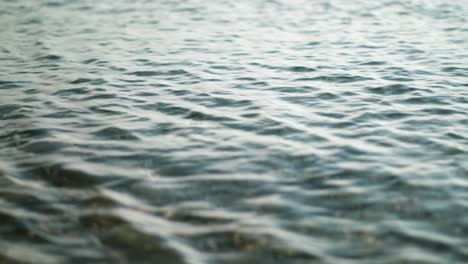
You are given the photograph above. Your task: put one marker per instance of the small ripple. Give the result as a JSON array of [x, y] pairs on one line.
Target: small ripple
[[63, 177], [294, 89], [397, 79], [442, 111], [392, 89], [299, 69], [438, 100], [11, 85], [9, 109], [115, 133], [72, 91], [373, 63], [50, 57], [43, 147], [90, 81], [99, 97], [456, 71], [159, 73], [343, 78]]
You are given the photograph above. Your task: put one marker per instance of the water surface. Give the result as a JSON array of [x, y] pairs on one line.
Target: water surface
[[260, 131]]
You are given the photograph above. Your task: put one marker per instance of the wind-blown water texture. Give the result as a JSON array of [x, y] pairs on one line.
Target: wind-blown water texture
[[254, 131]]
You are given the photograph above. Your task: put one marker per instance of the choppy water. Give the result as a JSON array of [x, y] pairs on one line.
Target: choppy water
[[259, 131]]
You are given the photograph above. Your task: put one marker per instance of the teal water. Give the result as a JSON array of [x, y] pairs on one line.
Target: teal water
[[260, 131]]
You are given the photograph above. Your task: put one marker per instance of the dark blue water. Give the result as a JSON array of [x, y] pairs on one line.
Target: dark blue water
[[260, 131]]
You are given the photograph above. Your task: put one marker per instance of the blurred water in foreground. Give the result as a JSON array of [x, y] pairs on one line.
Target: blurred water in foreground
[[259, 131]]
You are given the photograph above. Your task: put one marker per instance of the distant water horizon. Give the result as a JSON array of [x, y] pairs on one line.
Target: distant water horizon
[[263, 131]]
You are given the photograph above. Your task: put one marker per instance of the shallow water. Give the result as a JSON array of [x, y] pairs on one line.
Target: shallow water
[[263, 131]]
